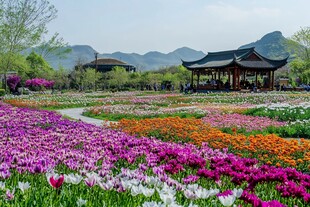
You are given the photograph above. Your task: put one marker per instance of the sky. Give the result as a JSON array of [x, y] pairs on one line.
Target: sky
[[141, 26]]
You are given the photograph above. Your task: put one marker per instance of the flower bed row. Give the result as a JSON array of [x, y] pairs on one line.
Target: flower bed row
[[270, 149], [52, 101], [120, 111]]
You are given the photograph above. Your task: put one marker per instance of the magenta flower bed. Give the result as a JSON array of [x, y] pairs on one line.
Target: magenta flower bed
[[249, 123], [35, 141]]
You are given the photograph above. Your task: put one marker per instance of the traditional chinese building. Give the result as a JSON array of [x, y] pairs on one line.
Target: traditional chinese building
[[236, 65], [106, 64]]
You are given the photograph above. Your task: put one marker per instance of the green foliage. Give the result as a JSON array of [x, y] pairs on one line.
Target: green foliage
[[118, 77], [23, 23], [90, 78], [54, 46], [2, 92], [39, 68], [117, 117], [301, 69], [175, 74], [14, 62], [61, 78], [301, 65]]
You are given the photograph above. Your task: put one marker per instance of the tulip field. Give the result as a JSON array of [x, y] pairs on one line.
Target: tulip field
[[165, 149]]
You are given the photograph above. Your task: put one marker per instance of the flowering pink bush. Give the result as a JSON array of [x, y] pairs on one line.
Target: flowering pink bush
[[249, 123], [39, 83]]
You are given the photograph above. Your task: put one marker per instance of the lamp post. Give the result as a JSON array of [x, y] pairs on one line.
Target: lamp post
[[96, 69]]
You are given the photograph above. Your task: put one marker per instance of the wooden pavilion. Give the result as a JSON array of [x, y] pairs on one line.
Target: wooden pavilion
[[237, 65]]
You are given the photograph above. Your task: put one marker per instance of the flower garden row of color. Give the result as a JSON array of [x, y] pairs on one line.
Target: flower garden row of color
[[51, 156], [165, 99]]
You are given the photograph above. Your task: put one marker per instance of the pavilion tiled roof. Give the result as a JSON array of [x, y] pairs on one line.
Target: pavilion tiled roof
[[241, 57], [107, 61]]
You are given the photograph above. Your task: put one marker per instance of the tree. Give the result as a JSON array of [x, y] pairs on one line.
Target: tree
[[183, 74], [38, 66], [61, 77], [55, 46], [118, 77], [301, 64], [77, 75], [90, 78], [19, 65], [23, 23], [134, 80]]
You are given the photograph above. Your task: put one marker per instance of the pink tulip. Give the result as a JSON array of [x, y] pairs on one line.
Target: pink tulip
[[9, 194], [56, 183]]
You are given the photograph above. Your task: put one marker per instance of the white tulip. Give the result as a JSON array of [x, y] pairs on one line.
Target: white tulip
[[23, 186], [237, 192], [153, 204], [135, 190], [190, 194], [227, 200], [167, 198], [148, 192], [73, 178], [80, 202], [2, 185]]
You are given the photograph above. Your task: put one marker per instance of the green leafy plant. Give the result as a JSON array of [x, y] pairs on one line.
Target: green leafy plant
[[2, 92]]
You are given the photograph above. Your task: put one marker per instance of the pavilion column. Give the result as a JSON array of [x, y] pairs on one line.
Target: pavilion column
[[272, 80], [192, 79], [269, 80], [256, 78], [198, 76], [234, 77], [228, 75], [238, 76], [219, 74], [244, 72]]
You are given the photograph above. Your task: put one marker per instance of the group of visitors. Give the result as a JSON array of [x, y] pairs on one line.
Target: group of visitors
[[305, 86], [187, 88]]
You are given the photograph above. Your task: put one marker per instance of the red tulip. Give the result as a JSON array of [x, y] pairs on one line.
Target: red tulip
[[56, 183]]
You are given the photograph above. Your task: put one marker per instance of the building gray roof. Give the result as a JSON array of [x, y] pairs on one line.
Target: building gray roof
[[247, 58]]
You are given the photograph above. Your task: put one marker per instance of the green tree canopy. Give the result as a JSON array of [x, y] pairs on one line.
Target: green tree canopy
[[118, 77], [301, 64], [22, 26], [39, 68], [23, 22]]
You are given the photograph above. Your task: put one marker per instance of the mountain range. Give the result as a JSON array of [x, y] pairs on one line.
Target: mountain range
[[271, 45]]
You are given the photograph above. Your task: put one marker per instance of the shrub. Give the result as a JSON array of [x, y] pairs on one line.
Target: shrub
[[39, 83], [13, 81], [2, 92]]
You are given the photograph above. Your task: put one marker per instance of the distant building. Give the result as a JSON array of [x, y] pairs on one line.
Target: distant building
[[107, 64]]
